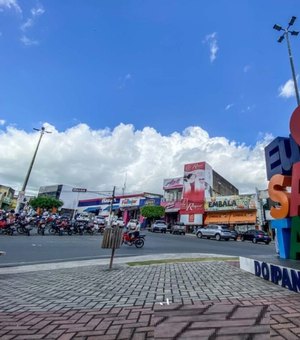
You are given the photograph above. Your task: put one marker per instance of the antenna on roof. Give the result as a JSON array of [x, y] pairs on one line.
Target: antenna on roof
[[124, 186]]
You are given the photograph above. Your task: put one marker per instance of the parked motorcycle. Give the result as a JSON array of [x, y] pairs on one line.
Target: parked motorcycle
[[41, 226], [137, 240], [60, 226], [23, 226], [89, 228], [79, 227], [7, 228]]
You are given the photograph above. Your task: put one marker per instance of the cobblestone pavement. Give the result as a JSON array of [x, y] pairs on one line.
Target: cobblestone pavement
[[127, 302]]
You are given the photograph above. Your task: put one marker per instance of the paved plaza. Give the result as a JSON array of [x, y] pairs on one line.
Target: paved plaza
[[198, 300]]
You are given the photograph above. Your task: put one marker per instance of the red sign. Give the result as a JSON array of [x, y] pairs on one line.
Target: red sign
[[193, 189], [191, 218]]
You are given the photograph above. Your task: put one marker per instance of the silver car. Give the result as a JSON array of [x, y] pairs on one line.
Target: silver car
[[160, 226], [219, 232]]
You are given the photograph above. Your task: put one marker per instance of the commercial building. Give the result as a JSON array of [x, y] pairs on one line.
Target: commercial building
[[6, 197], [125, 206], [185, 197], [69, 195]]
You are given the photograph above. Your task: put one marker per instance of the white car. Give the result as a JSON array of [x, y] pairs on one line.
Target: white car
[[83, 217], [99, 220]]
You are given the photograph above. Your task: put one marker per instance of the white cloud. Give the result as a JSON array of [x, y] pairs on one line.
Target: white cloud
[[2, 121], [246, 68], [27, 41], [99, 159], [211, 39], [27, 24], [287, 90], [229, 106], [37, 11], [123, 80], [10, 4]]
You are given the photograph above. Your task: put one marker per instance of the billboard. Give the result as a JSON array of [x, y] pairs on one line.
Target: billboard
[[129, 202], [173, 183], [237, 202], [194, 187]]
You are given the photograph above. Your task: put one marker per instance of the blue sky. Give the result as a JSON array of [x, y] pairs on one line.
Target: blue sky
[[167, 65]]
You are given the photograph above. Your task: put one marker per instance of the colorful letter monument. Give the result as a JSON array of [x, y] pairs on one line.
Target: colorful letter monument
[[283, 172]]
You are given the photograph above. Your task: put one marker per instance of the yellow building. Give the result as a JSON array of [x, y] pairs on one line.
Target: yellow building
[[6, 197]]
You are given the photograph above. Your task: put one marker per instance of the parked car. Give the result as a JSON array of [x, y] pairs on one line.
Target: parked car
[[99, 220], [256, 236], [219, 232], [234, 234], [83, 217], [178, 228], [160, 226]]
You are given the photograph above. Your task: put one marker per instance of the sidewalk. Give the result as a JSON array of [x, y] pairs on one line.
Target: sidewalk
[[207, 300]]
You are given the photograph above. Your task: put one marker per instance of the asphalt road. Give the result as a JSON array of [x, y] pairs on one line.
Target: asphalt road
[[21, 249]]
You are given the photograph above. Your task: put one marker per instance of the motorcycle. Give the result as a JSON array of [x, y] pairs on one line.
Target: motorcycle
[[137, 240], [41, 226], [61, 226], [79, 227], [7, 228], [89, 228], [23, 226]]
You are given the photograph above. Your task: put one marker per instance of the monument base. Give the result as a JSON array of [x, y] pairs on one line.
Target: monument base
[[282, 272]]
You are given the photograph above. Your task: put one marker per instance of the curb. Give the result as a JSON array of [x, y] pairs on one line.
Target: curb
[[103, 262]]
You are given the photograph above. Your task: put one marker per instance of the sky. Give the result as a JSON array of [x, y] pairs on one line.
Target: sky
[[132, 90]]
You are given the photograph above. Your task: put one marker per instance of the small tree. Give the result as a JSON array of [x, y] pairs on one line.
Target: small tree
[[45, 202], [152, 212]]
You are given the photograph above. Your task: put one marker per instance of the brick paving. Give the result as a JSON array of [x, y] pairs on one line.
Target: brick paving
[[208, 300]]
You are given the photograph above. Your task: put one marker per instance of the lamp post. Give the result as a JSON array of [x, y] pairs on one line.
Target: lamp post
[[286, 32], [22, 192]]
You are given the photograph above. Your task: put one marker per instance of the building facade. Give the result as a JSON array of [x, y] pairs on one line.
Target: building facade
[[125, 206], [6, 197], [184, 197]]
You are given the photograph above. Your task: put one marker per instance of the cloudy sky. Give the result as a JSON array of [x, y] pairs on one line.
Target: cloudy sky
[[137, 89]]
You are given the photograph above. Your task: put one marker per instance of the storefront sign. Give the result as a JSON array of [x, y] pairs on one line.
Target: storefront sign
[[79, 190], [171, 204], [97, 201], [193, 189], [150, 201], [231, 217], [191, 218], [237, 202], [173, 183], [129, 202]]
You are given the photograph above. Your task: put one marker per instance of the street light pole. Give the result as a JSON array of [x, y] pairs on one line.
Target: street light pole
[[292, 66], [22, 192], [281, 38]]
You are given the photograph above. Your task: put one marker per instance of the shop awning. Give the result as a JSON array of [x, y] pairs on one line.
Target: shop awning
[[231, 217], [172, 210]]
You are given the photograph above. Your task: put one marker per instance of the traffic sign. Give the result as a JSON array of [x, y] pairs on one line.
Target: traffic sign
[[79, 190]]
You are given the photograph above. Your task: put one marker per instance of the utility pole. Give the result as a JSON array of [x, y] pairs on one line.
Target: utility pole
[[280, 39], [113, 231], [111, 206], [22, 192]]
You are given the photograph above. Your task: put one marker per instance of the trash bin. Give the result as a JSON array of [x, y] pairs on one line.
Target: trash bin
[[112, 238]]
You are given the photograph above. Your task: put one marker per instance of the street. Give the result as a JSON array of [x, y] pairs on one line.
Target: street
[[34, 249]]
